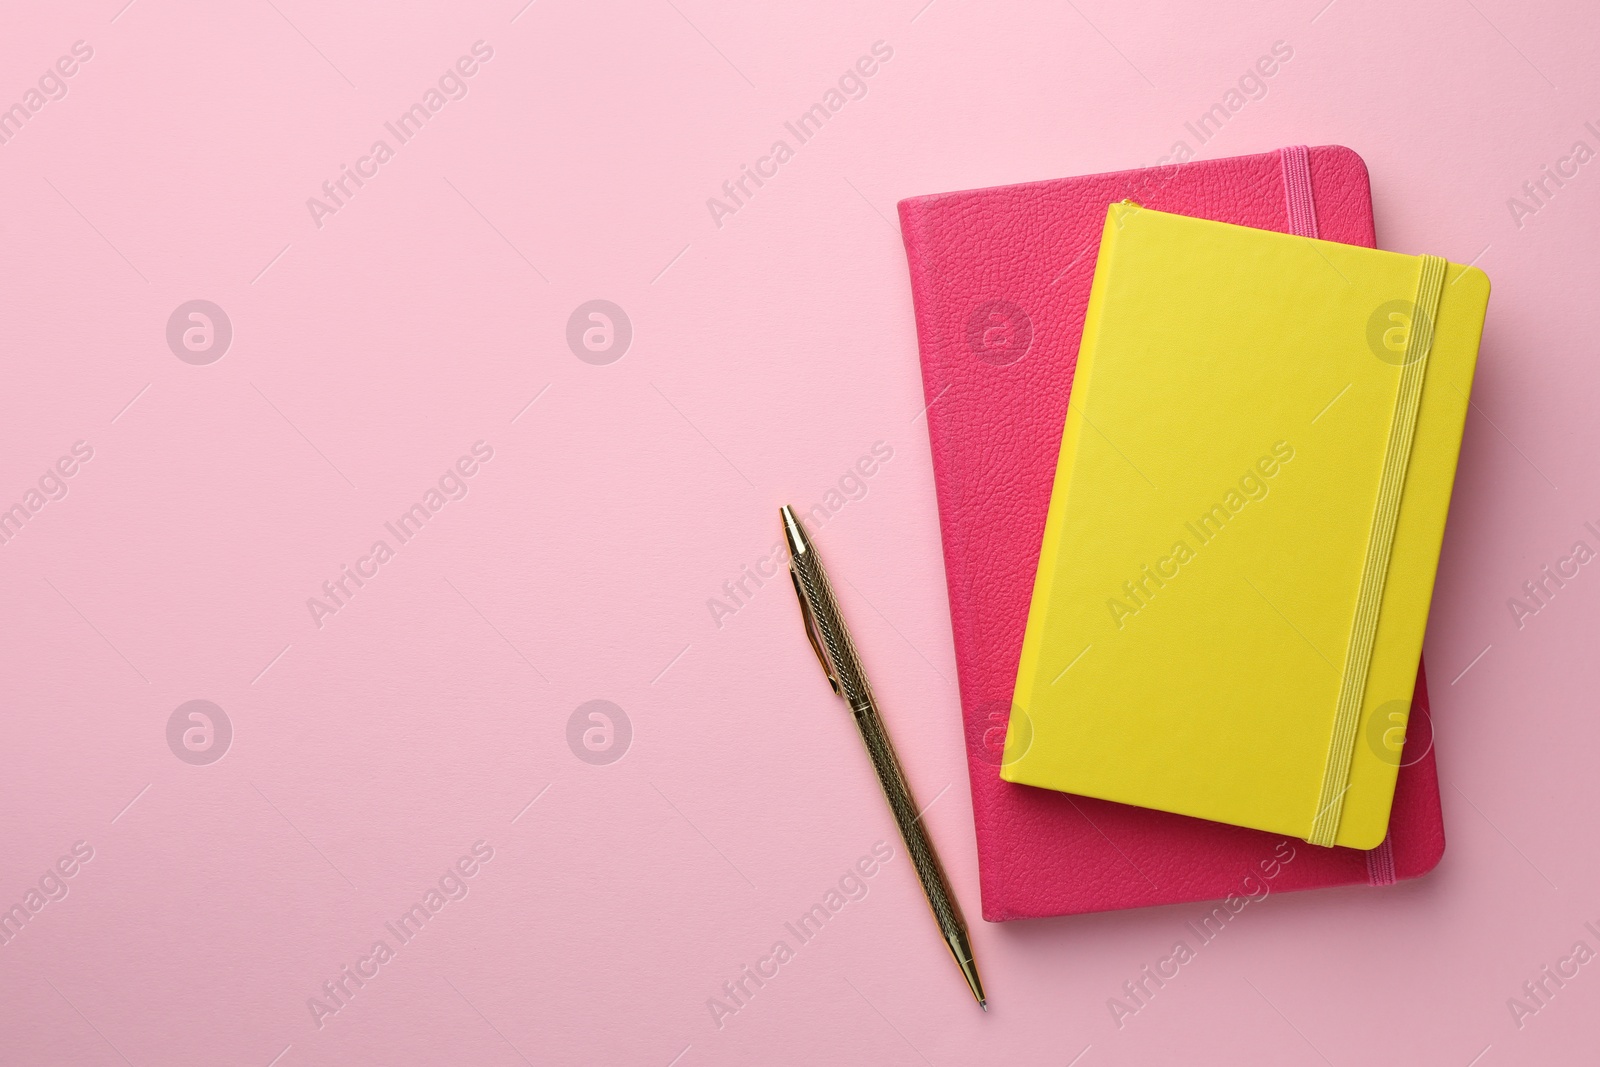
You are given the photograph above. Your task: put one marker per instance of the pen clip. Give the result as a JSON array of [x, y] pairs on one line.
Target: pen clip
[[811, 631]]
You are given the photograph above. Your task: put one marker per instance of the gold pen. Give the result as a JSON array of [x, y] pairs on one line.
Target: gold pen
[[826, 630]]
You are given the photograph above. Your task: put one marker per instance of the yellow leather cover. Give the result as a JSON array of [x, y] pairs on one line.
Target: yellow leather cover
[[1210, 519]]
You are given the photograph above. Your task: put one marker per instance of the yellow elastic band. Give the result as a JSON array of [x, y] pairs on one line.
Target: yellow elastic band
[[1375, 570]]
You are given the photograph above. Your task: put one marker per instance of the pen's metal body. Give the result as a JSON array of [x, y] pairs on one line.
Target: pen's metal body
[[826, 630]]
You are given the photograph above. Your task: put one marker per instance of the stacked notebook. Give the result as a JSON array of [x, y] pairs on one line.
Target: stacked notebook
[[1188, 628]]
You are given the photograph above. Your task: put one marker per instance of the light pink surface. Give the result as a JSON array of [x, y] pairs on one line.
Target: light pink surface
[[768, 356]]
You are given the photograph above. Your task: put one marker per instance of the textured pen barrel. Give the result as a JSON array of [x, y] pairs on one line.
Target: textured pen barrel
[[853, 687], [904, 808], [830, 626], [831, 639]]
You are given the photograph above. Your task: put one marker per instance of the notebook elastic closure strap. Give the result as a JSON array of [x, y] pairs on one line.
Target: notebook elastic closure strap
[[1375, 569], [1297, 196]]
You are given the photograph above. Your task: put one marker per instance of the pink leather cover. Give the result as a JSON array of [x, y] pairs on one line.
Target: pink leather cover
[[1000, 278]]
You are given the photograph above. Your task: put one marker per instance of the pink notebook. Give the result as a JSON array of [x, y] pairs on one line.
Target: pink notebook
[[1000, 278]]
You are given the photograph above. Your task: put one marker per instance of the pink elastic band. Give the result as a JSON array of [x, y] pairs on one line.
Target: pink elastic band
[[1297, 190], [1380, 864]]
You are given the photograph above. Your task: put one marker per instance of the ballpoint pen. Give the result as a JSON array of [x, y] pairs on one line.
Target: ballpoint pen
[[831, 641]]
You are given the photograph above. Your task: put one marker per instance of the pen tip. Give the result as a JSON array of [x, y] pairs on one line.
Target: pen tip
[[793, 532], [984, 1004]]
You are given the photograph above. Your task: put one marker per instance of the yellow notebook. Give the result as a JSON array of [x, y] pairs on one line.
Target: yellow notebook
[[1245, 524]]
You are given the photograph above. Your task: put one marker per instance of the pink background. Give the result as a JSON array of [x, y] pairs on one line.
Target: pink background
[[768, 355]]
